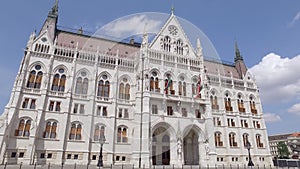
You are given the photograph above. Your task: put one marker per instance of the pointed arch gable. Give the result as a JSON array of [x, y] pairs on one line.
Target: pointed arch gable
[[171, 131], [105, 73], [43, 66], [194, 127], [127, 77], [88, 73], [59, 67]]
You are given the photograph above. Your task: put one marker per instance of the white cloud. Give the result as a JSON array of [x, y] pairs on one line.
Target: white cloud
[[295, 19], [278, 78], [125, 27], [271, 117], [295, 109]]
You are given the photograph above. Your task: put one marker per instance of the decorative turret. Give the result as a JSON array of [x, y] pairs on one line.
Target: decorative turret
[[238, 56], [239, 62], [51, 22], [199, 48]]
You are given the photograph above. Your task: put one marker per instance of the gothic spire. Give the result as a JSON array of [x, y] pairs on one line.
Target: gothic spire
[[238, 56], [54, 10]]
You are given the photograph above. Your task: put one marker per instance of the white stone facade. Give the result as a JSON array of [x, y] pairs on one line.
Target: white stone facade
[[72, 88]]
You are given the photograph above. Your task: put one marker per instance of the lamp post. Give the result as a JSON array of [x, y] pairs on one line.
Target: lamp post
[[101, 141], [248, 145]]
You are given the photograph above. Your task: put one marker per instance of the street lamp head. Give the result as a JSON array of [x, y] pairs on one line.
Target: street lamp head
[[102, 139], [248, 145]]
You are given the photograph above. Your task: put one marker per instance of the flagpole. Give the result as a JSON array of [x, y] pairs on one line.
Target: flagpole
[[141, 120], [116, 107]]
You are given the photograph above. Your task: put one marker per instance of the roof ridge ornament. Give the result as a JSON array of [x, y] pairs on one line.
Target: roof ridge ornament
[[172, 10]]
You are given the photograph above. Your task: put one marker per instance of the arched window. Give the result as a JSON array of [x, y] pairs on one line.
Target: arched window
[[154, 82], [75, 131], [23, 128], [179, 47], [99, 132], [82, 83], [240, 103], [214, 101], [35, 78], [124, 89], [122, 134], [258, 141], [50, 130], [194, 86], [103, 86], [218, 140], [181, 86], [167, 43], [245, 139], [232, 140], [252, 105], [227, 102], [59, 81]]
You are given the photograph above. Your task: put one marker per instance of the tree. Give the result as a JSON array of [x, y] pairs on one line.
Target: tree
[[283, 150]]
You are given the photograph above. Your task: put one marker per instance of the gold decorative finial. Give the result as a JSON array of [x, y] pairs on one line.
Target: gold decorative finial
[[172, 9]]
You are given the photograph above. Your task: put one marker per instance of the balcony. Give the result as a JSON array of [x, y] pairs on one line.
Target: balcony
[[215, 107], [229, 108], [253, 111], [242, 109]]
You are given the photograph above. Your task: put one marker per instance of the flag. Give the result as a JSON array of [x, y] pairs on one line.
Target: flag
[[199, 88], [168, 83]]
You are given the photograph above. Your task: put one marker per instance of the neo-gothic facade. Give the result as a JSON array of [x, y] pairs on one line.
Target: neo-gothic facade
[[156, 103]]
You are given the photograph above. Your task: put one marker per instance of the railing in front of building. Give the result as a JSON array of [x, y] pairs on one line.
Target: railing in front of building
[[278, 164]]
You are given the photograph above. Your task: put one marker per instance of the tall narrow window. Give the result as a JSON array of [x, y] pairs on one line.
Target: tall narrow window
[[50, 130], [99, 132], [227, 101], [103, 87], [124, 89], [59, 81], [82, 83], [258, 141], [181, 87], [169, 111], [122, 134], [167, 44], [252, 105], [154, 82], [75, 131], [240, 103], [214, 101], [179, 47], [232, 141], [218, 141], [35, 78], [20, 130], [245, 139]]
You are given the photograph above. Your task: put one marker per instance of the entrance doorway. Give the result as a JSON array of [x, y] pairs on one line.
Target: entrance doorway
[[191, 148], [160, 147]]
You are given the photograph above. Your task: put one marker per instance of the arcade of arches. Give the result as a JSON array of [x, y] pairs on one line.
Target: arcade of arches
[[186, 149]]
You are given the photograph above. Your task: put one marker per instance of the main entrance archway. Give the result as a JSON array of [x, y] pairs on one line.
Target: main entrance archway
[[161, 147], [191, 148]]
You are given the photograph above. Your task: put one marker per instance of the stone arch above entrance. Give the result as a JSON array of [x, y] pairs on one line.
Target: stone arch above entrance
[[162, 134], [192, 136]]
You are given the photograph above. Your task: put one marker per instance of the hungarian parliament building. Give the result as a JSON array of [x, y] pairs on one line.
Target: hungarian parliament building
[[156, 102]]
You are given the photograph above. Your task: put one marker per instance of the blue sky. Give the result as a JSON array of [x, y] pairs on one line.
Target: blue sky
[[267, 32]]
